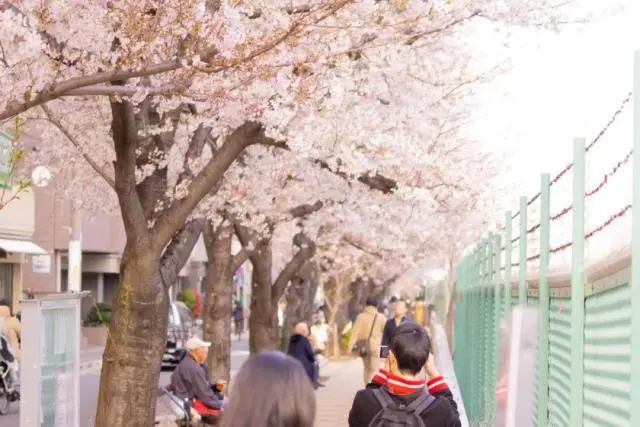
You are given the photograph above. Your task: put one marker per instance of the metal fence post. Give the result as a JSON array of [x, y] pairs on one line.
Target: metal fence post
[[577, 284], [635, 257], [522, 285], [543, 304], [489, 333], [497, 303], [508, 249]]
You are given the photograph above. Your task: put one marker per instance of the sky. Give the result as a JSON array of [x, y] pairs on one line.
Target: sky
[[559, 86]]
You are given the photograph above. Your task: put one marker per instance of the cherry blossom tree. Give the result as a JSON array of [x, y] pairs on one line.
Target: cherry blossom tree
[[159, 99]]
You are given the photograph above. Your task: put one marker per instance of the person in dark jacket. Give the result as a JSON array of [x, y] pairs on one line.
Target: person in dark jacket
[[300, 349], [190, 381], [409, 353], [399, 316]]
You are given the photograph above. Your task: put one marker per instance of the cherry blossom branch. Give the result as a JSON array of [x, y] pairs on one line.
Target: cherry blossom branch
[[171, 219], [360, 246], [65, 131], [58, 89], [306, 251], [125, 136]]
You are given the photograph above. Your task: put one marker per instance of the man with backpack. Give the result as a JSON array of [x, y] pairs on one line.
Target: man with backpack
[[398, 396]]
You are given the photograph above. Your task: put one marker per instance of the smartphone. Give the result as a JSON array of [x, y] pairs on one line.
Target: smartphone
[[384, 352]]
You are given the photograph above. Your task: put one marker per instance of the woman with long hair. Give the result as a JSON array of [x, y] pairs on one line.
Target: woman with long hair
[[271, 390]]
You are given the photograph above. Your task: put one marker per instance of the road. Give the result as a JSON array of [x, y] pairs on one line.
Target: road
[[89, 383]]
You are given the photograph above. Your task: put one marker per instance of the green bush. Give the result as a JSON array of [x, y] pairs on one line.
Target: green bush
[[188, 297], [100, 315]]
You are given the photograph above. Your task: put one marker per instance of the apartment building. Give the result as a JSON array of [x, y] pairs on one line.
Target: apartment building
[[103, 240]]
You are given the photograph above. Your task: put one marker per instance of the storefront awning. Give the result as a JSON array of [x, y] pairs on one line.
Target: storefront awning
[[21, 247]]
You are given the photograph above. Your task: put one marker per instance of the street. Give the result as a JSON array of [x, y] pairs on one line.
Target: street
[[89, 384]]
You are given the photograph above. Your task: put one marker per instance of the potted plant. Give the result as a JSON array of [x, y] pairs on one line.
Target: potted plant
[[96, 325]]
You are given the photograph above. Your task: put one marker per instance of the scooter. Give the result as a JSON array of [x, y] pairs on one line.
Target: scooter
[[9, 387]]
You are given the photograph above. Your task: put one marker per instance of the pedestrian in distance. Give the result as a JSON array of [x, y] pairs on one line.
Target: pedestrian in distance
[[366, 337], [300, 349], [399, 316]]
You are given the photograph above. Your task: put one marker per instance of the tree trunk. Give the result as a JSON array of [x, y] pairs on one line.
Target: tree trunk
[[218, 304], [137, 335], [263, 320], [300, 295]]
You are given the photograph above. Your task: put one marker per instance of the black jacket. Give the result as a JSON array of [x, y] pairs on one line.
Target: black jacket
[[300, 348], [389, 328], [443, 412]]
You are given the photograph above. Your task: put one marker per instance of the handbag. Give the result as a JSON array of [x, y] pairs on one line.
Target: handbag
[[362, 346]]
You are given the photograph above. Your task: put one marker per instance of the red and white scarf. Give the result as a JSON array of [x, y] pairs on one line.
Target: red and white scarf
[[402, 386]]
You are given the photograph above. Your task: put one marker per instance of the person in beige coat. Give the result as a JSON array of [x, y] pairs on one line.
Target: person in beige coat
[[368, 327], [12, 328]]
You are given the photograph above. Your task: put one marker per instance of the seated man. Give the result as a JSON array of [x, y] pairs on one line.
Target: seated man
[[399, 394], [190, 381]]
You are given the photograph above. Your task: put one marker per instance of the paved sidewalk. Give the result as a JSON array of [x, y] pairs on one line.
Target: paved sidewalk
[[445, 366], [334, 400]]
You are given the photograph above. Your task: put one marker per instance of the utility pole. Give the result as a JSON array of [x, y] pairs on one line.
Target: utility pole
[[74, 268]]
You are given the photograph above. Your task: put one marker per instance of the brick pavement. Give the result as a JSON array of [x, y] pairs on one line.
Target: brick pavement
[[334, 400]]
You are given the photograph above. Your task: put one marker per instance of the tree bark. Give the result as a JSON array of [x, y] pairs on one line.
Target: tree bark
[[218, 303], [133, 354], [263, 321], [299, 297]]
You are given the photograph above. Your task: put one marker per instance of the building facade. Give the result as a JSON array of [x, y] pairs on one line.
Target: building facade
[[103, 240]]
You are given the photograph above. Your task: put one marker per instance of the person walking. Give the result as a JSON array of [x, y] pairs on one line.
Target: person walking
[[366, 336], [238, 318], [11, 326], [399, 316], [399, 395], [300, 349]]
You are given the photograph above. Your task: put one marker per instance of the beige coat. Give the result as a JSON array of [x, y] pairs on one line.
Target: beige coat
[[12, 328], [362, 328]]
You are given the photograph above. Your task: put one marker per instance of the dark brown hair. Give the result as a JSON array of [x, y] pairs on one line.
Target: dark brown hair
[[271, 390]]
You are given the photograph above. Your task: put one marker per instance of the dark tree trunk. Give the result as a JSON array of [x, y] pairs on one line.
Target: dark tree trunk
[[137, 335], [263, 321], [299, 296], [266, 293], [218, 302]]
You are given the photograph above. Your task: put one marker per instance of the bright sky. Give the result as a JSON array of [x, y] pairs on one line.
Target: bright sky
[[561, 86]]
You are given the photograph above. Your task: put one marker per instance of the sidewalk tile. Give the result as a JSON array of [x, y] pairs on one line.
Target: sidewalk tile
[[334, 400]]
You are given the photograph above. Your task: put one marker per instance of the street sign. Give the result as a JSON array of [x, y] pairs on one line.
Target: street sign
[[41, 264], [50, 368]]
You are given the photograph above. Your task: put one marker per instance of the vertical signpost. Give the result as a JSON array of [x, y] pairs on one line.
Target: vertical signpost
[[75, 250], [50, 368]]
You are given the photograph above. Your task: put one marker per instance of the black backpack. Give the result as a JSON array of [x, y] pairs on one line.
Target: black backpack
[[394, 414]]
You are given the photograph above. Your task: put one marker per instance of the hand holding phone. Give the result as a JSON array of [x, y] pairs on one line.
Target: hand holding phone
[[384, 352]]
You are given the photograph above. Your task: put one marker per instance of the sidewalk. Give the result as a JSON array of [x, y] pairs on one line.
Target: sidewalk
[[334, 400]]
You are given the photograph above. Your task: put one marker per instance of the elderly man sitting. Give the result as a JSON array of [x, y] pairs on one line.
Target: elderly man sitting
[[190, 381]]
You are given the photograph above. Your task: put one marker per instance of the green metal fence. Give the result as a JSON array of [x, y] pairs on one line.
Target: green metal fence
[[588, 364]]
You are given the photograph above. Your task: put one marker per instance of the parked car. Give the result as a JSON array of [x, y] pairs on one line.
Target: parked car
[[181, 327]]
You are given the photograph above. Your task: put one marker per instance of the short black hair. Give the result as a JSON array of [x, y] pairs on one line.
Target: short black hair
[[373, 301], [411, 346], [392, 300]]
